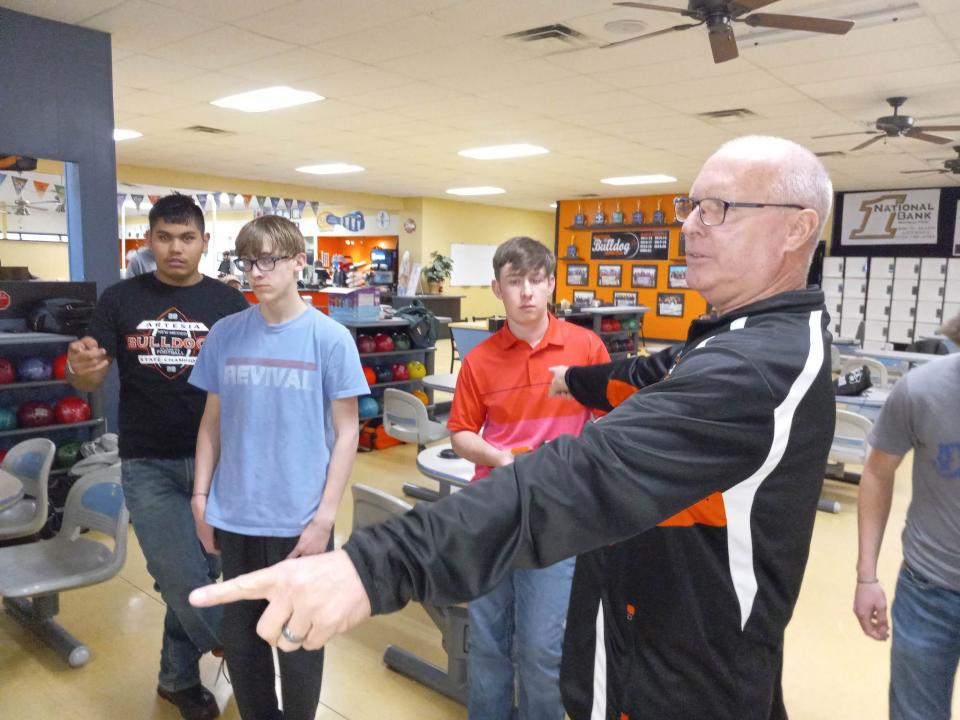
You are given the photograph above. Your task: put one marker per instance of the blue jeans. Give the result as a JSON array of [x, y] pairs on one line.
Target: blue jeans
[[926, 648], [520, 621], [158, 493]]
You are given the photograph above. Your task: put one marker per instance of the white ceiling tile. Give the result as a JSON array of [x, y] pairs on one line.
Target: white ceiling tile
[[407, 36], [223, 10], [288, 67], [145, 72], [221, 47], [146, 102], [309, 22], [143, 26], [67, 12]]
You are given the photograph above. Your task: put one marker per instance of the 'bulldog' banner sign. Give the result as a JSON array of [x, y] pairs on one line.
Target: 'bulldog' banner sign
[[643, 245]]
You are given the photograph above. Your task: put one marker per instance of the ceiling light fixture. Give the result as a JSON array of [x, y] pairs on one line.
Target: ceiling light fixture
[[337, 168], [553, 206], [639, 180], [119, 134], [479, 190], [503, 152], [266, 99]]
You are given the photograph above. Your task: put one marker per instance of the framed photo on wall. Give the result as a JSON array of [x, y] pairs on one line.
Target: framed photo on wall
[[623, 298], [609, 275], [682, 248], [643, 276], [677, 277], [670, 304], [578, 274], [582, 298]]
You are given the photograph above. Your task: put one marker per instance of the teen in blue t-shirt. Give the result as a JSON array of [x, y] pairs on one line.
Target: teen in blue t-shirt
[[274, 452]]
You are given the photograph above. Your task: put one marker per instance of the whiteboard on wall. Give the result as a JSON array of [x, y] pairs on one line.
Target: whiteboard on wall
[[472, 264]]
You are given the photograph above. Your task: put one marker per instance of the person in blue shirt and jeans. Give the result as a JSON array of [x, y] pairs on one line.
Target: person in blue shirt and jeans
[[274, 451]]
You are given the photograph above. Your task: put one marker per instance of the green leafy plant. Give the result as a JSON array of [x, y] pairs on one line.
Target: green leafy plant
[[439, 269]]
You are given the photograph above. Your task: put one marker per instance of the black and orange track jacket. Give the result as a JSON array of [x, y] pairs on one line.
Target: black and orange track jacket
[[690, 505]]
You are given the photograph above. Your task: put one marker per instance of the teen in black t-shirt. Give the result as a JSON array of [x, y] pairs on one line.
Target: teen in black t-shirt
[[153, 325]]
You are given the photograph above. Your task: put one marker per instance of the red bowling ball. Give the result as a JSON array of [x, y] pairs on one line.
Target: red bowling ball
[[71, 409], [384, 342], [366, 344], [8, 373], [35, 414], [60, 367], [400, 371]]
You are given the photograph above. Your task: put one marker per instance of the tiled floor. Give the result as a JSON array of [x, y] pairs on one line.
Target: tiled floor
[[831, 672]]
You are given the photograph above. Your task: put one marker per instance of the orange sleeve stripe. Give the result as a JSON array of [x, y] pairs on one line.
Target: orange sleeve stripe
[[618, 391], [709, 511]]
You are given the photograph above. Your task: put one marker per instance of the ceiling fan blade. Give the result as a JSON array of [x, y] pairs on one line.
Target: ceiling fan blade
[[862, 132], [919, 172], [797, 22], [650, 35], [739, 7], [938, 128], [650, 6], [919, 134], [724, 44], [871, 141]]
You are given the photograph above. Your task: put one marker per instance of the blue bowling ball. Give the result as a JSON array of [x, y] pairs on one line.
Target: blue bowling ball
[[368, 406], [33, 369], [8, 419]]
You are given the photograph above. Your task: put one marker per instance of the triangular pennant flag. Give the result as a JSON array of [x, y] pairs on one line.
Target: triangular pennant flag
[[202, 200], [261, 201], [57, 190], [246, 200], [288, 204], [41, 188], [274, 201], [153, 199], [315, 206], [301, 204], [231, 198], [121, 199], [137, 200], [2, 178], [18, 183]]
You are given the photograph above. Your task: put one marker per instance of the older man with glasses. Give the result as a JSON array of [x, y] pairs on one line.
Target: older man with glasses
[[690, 505]]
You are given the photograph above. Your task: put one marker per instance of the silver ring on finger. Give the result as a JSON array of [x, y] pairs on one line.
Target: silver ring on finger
[[290, 637]]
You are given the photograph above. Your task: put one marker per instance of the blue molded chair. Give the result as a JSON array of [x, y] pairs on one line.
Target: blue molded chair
[[30, 462]]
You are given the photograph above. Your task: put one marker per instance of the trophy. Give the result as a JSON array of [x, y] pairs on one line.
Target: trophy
[[572, 248], [658, 217], [598, 217], [618, 215], [579, 218], [638, 215]]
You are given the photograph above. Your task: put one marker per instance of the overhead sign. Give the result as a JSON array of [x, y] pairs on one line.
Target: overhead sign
[[643, 245], [890, 217]]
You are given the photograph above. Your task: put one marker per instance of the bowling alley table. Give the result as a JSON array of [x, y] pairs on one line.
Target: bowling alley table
[[449, 472]]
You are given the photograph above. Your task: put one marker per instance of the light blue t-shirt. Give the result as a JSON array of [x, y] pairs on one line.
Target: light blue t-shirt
[[276, 384]]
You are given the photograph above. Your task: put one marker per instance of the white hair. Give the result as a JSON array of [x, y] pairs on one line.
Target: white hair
[[797, 175]]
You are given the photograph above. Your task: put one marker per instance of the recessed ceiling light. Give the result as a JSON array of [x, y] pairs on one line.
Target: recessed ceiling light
[[639, 180], [330, 169], [501, 152], [269, 98], [121, 134], [479, 190], [553, 206]]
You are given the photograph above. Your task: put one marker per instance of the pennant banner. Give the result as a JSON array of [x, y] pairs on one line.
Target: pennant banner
[[41, 188], [231, 199], [137, 200], [153, 199], [202, 200], [246, 200], [18, 183], [57, 190], [121, 199], [315, 206], [2, 178], [301, 204], [262, 201], [274, 201]]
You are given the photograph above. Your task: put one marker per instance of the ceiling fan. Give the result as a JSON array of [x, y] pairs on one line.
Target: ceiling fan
[[949, 166], [719, 16], [25, 207], [897, 125]]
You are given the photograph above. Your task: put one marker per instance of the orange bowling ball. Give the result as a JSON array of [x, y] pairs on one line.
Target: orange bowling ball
[[422, 396]]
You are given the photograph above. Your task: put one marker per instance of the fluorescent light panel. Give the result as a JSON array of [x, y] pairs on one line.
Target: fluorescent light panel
[[120, 134], [479, 190], [639, 180], [502, 152], [266, 99], [337, 168]]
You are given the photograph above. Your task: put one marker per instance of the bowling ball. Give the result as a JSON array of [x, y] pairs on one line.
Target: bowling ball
[[68, 454], [71, 409], [400, 371], [384, 374], [369, 374], [33, 369], [416, 369], [60, 367], [401, 341], [365, 344], [422, 396], [35, 414], [383, 342], [7, 372], [8, 419], [368, 406], [3, 454], [614, 325]]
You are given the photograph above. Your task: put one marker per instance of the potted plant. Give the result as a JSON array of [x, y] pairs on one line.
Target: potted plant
[[439, 270]]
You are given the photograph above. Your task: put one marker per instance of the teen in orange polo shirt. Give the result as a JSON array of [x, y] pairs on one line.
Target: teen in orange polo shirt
[[501, 406]]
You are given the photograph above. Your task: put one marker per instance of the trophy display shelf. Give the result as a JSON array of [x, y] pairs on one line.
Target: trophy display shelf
[[610, 226]]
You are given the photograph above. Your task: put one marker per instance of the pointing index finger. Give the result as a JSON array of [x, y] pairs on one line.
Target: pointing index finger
[[252, 586]]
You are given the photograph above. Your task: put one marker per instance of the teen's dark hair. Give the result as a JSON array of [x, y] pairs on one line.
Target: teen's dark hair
[[525, 255], [177, 209]]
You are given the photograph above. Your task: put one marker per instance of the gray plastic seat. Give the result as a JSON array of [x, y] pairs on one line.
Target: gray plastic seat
[[33, 575], [30, 462], [850, 445], [371, 506], [405, 418]]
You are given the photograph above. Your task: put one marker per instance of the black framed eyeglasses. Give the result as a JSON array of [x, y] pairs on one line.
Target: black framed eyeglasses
[[265, 264], [713, 211]]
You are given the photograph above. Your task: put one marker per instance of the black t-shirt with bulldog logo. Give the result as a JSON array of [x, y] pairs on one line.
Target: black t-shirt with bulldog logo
[[154, 331]]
